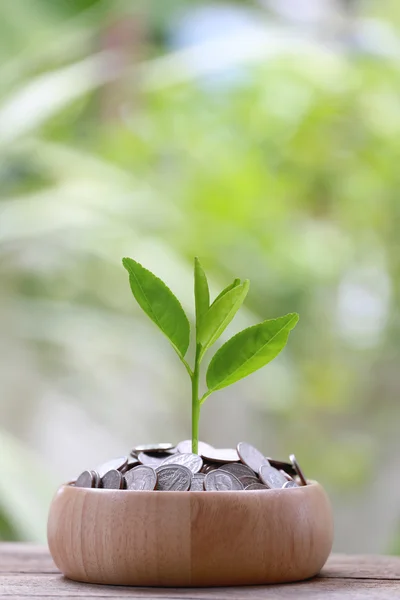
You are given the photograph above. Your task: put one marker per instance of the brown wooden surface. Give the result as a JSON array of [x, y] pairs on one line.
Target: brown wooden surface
[[190, 540], [27, 571]]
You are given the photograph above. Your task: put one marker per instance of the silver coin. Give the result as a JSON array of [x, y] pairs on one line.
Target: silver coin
[[272, 477], [298, 470], [132, 462], [86, 480], [185, 447], [245, 481], [290, 484], [221, 481], [173, 478], [97, 479], [256, 486], [209, 466], [153, 460], [116, 463], [141, 478], [239, 470], [163, 447], [286, 475], [250, 456], [282, 466], [197, 484], [112, 480], [191, 461], [221, 455]]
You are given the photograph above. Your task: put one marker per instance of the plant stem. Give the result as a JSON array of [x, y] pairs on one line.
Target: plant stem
[[205, 396], [196, 402], [188, 369]]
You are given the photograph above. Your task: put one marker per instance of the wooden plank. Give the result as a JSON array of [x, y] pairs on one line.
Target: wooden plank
[[54, 586], [27, 571], [25, 558], [362, 567]]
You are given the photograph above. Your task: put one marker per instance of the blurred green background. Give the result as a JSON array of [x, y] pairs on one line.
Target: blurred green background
[[262, 136]]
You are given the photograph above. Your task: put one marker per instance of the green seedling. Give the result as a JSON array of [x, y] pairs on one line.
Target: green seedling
[[244, 353]]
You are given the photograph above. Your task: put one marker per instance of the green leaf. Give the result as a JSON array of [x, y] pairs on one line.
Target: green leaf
[[160, 304], [201, 292], [220, 314], [228, 287], [249, 350]]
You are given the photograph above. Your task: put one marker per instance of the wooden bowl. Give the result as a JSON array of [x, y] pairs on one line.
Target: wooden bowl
[[156, 538]]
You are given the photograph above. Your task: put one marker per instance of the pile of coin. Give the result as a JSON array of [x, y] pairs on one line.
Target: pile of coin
[[166, 467]]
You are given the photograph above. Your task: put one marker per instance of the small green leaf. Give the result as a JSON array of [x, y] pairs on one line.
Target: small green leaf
[[160, 304], [201, 292], [220, 314], [228, 287], [249, 350]]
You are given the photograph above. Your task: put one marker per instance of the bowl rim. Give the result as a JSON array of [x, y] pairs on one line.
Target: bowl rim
[[311, 484]]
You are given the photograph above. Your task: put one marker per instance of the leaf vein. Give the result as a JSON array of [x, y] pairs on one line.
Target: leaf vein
[[132, 274], [254, 354]]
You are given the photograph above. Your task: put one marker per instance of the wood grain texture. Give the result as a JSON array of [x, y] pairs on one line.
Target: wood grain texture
[[316, 589], [362, 567], [343, 578], [190, 539], [25, 558]]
